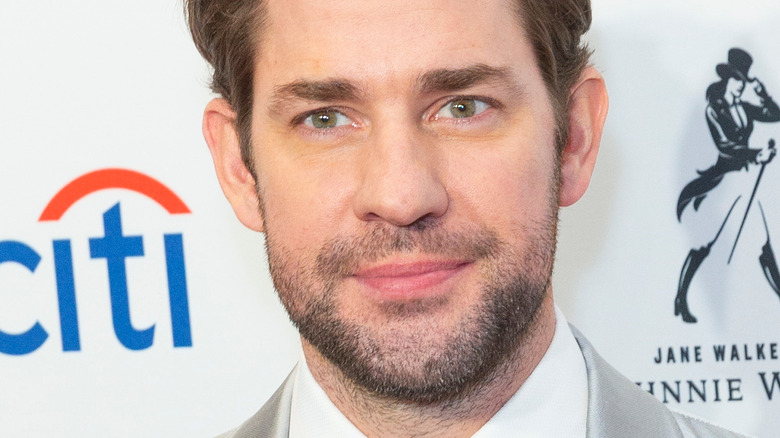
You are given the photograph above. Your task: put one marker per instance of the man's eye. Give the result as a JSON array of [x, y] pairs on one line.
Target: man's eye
[[326, 119], [462, 108]]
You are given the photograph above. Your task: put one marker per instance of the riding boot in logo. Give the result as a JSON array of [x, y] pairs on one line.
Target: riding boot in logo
[[731, 121], [767, 258]]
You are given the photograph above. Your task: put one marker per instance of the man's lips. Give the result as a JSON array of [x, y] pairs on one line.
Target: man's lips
[[404, 281]]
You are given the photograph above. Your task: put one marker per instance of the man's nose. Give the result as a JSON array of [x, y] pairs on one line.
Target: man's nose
[[401, 178]]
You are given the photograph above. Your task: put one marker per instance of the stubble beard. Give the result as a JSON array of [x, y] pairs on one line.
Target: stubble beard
[[430, 367]]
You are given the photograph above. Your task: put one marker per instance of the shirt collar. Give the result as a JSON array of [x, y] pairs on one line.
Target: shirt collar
[[553, 401], [311, 411]]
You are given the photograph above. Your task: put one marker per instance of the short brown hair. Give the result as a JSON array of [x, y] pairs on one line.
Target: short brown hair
[[555, 29], [226, 34]]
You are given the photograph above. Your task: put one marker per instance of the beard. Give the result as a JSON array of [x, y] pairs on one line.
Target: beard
[[410, 356]]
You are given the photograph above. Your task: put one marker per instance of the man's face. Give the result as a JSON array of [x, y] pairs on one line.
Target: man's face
[[406, 169]]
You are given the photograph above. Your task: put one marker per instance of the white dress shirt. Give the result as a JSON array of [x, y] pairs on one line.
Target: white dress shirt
[[552, 402]]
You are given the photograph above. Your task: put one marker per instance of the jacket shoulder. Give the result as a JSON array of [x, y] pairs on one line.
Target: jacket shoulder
[[617, 407], [696, 427]]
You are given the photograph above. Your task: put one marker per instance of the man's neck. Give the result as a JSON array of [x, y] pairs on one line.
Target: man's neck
[[382, 417]]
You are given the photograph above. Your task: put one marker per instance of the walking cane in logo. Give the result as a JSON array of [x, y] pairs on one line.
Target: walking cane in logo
[[750, 202], [731, 122]]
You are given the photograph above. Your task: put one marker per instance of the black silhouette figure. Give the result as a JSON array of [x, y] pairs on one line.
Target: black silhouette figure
[[731, 123]]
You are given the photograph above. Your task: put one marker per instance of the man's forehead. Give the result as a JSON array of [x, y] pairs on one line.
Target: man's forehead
[[306, 39], [329, 10]]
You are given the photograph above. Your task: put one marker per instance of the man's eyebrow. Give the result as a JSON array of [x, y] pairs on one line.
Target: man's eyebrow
[[330, 90], [321, 91], [462, 78]]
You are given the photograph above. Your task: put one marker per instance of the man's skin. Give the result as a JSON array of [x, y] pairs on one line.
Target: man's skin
[[387, 154]]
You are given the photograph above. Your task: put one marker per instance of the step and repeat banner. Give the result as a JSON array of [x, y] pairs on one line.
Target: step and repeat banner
[[668, 263], [133, 303]]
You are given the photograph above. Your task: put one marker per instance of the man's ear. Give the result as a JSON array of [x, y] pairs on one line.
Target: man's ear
[[588, 103], [238, 184]]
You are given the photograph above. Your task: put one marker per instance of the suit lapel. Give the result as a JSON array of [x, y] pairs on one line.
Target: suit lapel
[[273, 419], [618, 408]]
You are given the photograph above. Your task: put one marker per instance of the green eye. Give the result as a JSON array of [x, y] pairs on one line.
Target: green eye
[[462, 109], [326, 119]]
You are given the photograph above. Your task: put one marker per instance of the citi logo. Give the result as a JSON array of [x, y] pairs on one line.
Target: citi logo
[[113, 247]]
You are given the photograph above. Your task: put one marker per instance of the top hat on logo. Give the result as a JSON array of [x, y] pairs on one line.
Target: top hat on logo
[[737, 67]]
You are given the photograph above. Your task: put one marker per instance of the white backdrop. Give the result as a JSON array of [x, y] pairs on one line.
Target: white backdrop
[[94, 85]]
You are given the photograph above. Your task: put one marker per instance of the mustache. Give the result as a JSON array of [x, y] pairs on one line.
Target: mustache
[[343, 256]]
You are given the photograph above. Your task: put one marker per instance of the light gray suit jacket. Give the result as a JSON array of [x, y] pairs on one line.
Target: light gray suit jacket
[[617, 408]]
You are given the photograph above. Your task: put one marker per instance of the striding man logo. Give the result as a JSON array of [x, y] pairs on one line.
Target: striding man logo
[[731, 121]]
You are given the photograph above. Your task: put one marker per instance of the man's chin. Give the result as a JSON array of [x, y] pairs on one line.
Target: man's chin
[[416, 368], [424, 351]]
